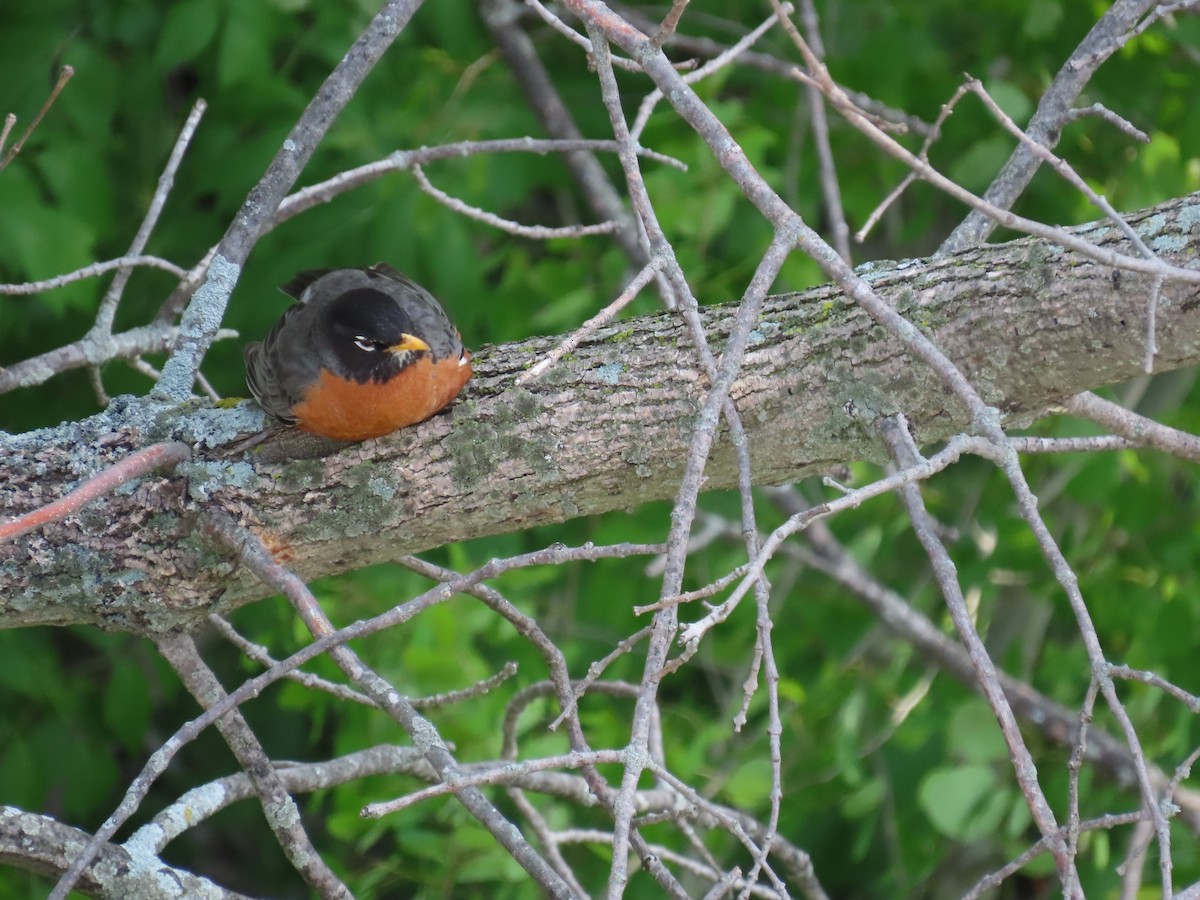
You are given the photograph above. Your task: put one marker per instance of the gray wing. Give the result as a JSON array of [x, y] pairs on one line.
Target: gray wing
[[269, 369]]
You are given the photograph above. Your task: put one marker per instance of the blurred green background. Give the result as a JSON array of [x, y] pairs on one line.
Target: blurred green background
[[889, 806]]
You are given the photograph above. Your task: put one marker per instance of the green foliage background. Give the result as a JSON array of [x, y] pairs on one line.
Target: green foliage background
[[888, 807]]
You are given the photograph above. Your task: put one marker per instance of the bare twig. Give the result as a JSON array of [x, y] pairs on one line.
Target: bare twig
[[64, 75], [572, 35], [599, 320], [9, 121], [595, 670], [994, 879], [1134, 427], [1101, 111], [279, 809], [539, 232], [502, 20], [830, 188], [407, 160], [896, 119], [154, 338], [27, 288], [1104, 39], [199, 804], [108, 306], [904, 451], [718, 62], [135, 465], [498, 775], [202, 318], [669, 23]]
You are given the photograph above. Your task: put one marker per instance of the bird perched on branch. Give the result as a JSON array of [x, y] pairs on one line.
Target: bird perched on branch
[[361, 353]]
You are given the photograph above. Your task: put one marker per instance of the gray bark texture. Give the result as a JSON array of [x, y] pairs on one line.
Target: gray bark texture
[[606, 428]]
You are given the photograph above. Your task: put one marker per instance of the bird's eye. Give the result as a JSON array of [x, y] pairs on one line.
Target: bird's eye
[[367, 344]]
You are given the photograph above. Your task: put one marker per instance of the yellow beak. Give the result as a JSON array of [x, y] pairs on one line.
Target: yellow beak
[[407, 343]]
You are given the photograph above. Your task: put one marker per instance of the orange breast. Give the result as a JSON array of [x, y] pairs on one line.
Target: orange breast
[[346, 410]]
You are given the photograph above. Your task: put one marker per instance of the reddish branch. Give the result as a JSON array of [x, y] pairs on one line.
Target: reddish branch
[[156, 456]]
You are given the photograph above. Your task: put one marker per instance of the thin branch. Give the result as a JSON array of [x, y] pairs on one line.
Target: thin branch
[[538, 232], [28, 288], [599, 320], [10, 120], [574, 36], [135, 465], [1133, 427], [503, 23], [830, 188], [108, 306], [203, 802], [595, 670], [1074, 767], [1191, 701], [903, 450], [718, 62], [897, 119], [201, 320], [934, 135], [154, 338], [669, 23], [255, 556], [262, 656], [64, 75], [995, 879], [478, 689], [691, 634], [1099, 443], [406, 160], [1027, 504], [1100, 111], [501, 774], [279, 809], [1104, 39]]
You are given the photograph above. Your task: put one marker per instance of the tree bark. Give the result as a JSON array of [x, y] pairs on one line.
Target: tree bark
[[606, 428]]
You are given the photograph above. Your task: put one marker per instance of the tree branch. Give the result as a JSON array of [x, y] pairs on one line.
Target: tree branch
[[606, 429]]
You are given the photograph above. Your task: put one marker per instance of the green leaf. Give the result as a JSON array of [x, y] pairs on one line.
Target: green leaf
[[952, 798], [127, 705], [1041, 19], [21, 775], [975, 168], [244, 53], [187, 32], [750, 784], [975, 736], [1011, 99]]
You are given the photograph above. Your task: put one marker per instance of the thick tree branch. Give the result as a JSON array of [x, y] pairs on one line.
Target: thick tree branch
[[46, 846], [1030, 324]]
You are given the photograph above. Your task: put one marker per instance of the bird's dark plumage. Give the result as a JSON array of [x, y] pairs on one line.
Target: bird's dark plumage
[[361, 353]]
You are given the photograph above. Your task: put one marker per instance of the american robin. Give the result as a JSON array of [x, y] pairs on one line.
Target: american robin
[[361, 353]]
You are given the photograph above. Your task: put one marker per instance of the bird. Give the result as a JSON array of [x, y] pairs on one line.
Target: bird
[[361, 353]]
